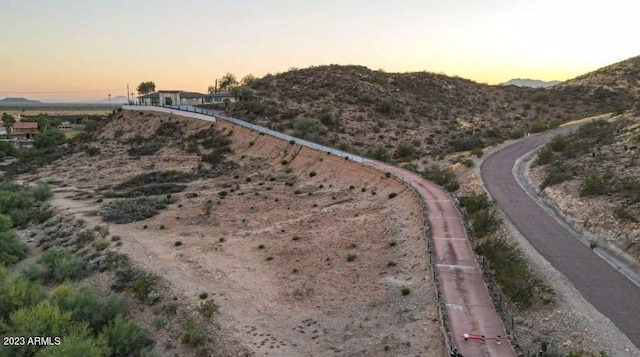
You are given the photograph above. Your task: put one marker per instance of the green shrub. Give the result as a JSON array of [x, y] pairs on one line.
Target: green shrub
[[125, 337], [466, 143], [41, 192], [545, 156], [17, 292], [5, 223], [405, 291], [193, 336], [351, 257], [203, 295], [516, 134], [392, 195], [387, 105], [475, 202], [308, 129], [132, 210], [477, 152], [406, 152], [485, 222], [86, 306], [145, 288], [92, 150], [177, 243], [444, 177], [378, 153], [557, 172], [595, 185], [15, 203], [40, 320], [312, 174], [32, 272], [12, 249], [208, 308], [100, 245], [538, 127], [512, 272], [77, 343], [62, 265], [48, 139]]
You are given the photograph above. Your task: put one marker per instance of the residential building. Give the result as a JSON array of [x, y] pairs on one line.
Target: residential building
[[24, 130], [179, 97]]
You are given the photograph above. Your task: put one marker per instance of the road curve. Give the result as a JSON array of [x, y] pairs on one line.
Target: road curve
[[604, 287]]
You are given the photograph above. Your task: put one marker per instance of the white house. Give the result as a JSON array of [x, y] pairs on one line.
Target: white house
[[179, 97]]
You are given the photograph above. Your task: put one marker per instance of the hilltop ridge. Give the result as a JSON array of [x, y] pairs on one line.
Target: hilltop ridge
[[410, 115]]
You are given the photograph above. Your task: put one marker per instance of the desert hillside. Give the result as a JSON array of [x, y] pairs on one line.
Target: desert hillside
[[621, 78], [405, 116], [302, 252], [592, 176]]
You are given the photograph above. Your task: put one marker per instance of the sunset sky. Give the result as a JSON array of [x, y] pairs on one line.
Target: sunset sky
[[81, 49]]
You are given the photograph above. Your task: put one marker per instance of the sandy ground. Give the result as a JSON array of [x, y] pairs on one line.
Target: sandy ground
[[277, 261]]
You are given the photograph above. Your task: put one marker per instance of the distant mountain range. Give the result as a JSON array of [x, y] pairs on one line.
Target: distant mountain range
[[531, 83], [121, 99], [18, 101]]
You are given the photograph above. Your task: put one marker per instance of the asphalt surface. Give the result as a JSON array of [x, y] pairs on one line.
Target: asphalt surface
[[469, 308], [604, 287]]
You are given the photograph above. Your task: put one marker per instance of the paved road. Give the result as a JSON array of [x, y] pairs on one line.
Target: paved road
[[603, 286], [468, 304]]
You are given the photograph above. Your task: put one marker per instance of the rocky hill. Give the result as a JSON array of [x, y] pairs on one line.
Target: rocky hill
[[406, 116], [622, 79]]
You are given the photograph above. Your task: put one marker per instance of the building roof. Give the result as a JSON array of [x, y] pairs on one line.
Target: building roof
[[183, 94], [191, 95], [25, 125], [227, 94], [150, 95]]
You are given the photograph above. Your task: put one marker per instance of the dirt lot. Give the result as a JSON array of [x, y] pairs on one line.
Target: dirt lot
[[311, 268]]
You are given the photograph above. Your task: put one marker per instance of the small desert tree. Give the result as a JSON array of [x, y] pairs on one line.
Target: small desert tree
[[248, 80], [8, 120], [228, 81], [146, 87]]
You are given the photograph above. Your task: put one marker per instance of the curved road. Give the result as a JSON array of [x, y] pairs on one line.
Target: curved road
[[604, 287]]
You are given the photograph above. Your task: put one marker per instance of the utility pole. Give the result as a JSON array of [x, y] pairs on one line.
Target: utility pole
[[109, 101], [128, 99]]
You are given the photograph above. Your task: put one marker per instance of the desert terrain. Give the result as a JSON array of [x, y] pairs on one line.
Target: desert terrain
[[304, 253]]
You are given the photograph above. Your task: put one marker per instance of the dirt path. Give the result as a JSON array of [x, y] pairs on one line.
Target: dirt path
[[468, 304]]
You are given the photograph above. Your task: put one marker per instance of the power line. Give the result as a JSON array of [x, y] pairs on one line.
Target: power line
[[61, 92]]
